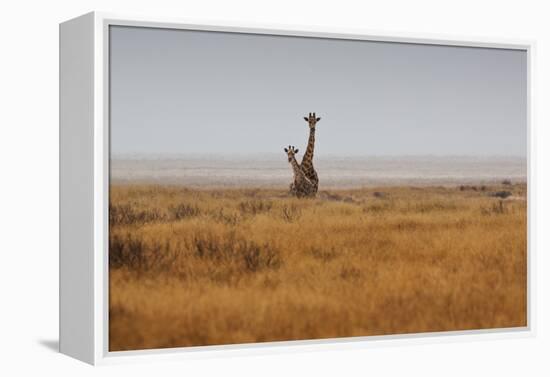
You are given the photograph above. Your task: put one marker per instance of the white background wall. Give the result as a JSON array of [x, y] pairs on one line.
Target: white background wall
[[29, 190]]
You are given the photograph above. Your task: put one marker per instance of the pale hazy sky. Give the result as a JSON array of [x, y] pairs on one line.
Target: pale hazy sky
[[180, 92]]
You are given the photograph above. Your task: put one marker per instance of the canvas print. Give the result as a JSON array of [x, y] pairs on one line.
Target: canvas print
[[273, 188]]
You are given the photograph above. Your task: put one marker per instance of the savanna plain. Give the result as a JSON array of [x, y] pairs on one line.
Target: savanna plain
[[194, 267]]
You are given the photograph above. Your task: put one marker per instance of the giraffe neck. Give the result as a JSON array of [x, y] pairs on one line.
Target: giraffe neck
[[298, 174], [307, 160]]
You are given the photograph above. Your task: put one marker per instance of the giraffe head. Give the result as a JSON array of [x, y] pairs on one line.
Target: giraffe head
[[312, 120], [291, 152]]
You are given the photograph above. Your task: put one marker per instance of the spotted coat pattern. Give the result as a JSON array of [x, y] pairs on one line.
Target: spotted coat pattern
[[307, 160], [302, 186]]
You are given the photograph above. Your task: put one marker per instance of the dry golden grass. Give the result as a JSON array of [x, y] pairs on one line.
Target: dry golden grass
[[204, 267]]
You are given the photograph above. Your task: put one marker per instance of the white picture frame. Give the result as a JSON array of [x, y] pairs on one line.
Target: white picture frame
[[84, 187]]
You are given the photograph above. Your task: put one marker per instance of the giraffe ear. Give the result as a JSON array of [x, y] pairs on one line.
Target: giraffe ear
[[296, 151], [307, 120], [286, 150], [318, 119]]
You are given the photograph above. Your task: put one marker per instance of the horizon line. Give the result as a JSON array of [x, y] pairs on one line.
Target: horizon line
[[353, 155]]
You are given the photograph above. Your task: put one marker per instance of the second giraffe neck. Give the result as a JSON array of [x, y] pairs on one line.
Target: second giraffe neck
[[295, 167]]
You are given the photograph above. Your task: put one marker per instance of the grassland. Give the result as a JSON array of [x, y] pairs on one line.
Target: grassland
[[203, 267]]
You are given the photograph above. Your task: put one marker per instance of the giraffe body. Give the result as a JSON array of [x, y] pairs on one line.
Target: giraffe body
[[307, 160], [302, 185]]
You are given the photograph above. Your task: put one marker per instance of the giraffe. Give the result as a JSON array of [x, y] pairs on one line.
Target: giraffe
[[302, 186], [307, 160]]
